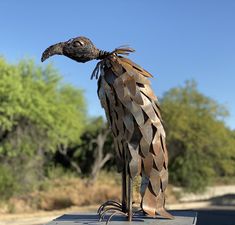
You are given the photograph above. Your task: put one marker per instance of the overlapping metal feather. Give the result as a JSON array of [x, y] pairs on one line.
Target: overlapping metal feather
[[133, 113]]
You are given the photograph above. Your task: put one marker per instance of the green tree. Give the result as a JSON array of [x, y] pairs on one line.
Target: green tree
[[38, 114], [200, 145]]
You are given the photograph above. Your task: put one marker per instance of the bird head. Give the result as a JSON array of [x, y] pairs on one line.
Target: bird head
[[80, 49]]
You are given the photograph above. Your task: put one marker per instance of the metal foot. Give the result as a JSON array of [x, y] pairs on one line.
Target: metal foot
[[113, 211], [109, 204], [112, 207]]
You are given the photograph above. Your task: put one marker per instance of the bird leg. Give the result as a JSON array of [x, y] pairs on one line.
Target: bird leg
[[124, 208], [124, 189], [130, 197], [113, 206]]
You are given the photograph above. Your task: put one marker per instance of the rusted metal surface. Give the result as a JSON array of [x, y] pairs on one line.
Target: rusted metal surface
[[133, 113]]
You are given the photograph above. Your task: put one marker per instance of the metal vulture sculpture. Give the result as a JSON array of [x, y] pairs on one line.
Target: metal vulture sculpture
[[133, 113]]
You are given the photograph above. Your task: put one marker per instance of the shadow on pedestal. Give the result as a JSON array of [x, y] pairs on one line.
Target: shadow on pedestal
[[181, 218]]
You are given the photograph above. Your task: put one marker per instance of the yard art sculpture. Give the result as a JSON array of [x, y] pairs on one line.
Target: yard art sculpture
[[133, 113]]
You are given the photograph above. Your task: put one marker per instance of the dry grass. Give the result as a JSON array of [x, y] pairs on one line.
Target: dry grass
[[67, 192]]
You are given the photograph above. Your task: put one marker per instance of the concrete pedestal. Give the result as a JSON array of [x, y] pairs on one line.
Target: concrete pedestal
[[181, 218]]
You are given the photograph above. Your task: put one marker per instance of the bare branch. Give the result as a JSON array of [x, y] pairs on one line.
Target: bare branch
[[73, 163]]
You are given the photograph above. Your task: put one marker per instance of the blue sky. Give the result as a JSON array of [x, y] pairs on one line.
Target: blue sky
[[174, 40]]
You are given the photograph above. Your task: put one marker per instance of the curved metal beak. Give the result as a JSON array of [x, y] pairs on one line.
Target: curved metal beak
[[56, 49]]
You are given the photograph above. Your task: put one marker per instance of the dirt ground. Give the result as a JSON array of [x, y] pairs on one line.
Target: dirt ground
[[219, 201]]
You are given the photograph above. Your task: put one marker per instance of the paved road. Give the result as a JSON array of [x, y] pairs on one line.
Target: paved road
[[215, 217]]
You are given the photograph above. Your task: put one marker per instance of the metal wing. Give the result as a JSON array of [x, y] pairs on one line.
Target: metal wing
[[134, 116]]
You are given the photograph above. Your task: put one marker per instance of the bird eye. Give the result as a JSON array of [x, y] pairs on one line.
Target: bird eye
[[78, 43], [81, 42]]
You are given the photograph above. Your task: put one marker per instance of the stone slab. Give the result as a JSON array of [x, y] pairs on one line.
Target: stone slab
[[181, 218]]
